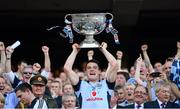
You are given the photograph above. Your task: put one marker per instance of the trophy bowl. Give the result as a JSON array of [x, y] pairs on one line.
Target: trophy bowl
[[88, 24]]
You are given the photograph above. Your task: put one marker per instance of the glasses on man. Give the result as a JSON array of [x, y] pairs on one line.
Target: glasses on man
[[140, 92], [167, 68], [30, 73]]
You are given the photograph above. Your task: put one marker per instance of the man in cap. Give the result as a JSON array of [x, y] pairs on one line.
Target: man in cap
[[38, 83]]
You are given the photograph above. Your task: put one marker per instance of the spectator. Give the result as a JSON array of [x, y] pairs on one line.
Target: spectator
[[167, 67], [10, 97], [68, 88], [132, 72], [140, 73], [175, 70], [121, 78], [158, 67], [120, 97], [25, 95], [64, 78], [163, 98], [38, 83], [20, 66], [140, 97], [27, 73], [147, 61], [2, 101], [2, 84], [69, 101], [56, 88], [129, 87]]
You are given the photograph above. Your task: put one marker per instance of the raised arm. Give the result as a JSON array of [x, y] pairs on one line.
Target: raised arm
[[74, 78], [149, 86], [178, 51], [9, 52], [47, 62], [3, 56], [119, 55], [173, 86], [146, 58], [137, 72], [112, 66]]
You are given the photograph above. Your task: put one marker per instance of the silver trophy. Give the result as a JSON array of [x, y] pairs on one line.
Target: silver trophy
[[89, 24]]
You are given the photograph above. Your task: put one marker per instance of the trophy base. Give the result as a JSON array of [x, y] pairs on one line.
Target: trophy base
[[95, 44]]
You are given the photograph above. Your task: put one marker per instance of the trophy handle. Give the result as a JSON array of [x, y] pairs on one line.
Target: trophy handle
[[110, 15], [66, 20]]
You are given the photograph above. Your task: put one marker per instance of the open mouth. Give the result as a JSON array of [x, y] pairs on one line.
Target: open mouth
[[129, 94], [167, 98], [141, 70], [92, 73], [2, 87], [27, 77]]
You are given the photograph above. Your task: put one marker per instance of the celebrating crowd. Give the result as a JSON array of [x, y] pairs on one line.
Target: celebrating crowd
[[144, 85]]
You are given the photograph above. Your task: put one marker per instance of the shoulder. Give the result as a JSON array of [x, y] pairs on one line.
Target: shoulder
[[151, 104], [131, 80], [120, 107], [47, 97], [51, 102], [10, 92], [32, 103], [173, 105]]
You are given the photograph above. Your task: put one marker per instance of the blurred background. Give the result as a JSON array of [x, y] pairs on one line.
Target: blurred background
[[154, 22]]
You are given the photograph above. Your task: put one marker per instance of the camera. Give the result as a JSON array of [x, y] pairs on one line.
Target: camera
[[155, 74]]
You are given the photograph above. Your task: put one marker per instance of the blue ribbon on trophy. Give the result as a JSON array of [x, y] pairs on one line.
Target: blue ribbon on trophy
[[113, 31], [68, 31]]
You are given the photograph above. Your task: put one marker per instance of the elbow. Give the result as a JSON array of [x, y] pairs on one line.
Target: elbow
[[48, 69], [67, 68], [114, 65]]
